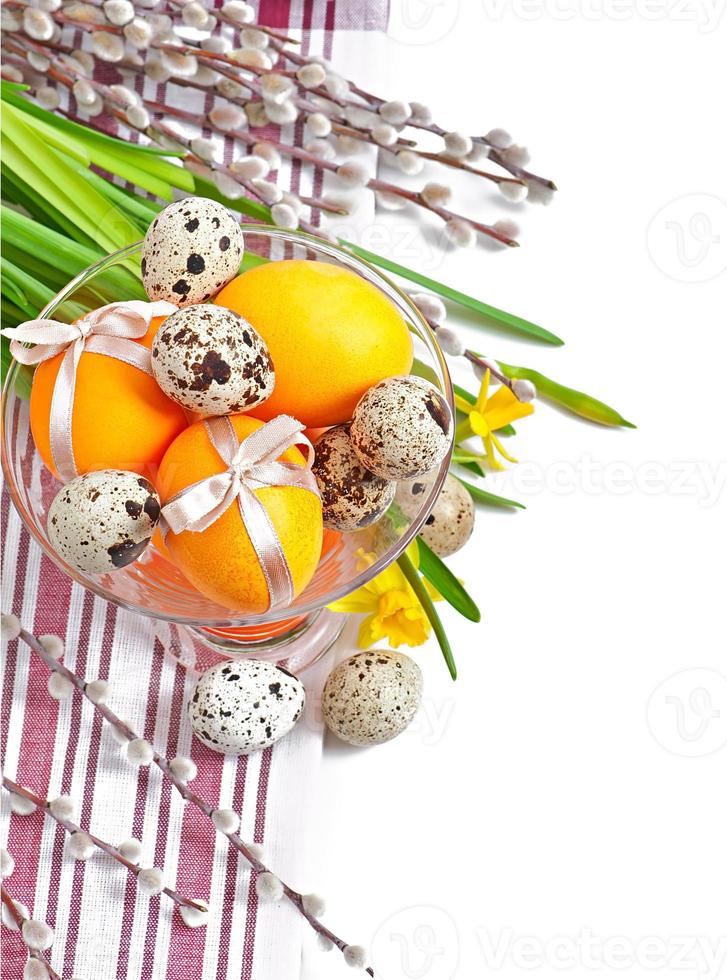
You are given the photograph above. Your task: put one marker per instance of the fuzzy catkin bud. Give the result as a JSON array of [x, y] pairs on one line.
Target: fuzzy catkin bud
[[460, 233], [524, 390], [275, 88], [355, 956], [203, 148], [516, 156], [352, 175], [7, 863], [257, 115], [37, 934], [227, 185], [389, 201], [293, 201], [268, 153], [499, 138], [420, 113], [150, 881], [314, 905], [257, 851], [183, 768], [538, 193], [138, 117], [250, 168], [512, 192], [318, 124], [119, 12], [21, 805], [37, 24], [139, 34], [251, 57], [80, 846], [107, 47], [217, 44], [409, 163], [336, 86], [8, 919], [349, 146], [193, 917], [49, 98], [361, 118], [140, 752], [311, 76], [9, 20], [324, 943], [228, 117], [63, 808], [131, 849], [457, 145], [13, 74], [124, 95], [509, 229], [320, 148], [436, 195], [52, 645], [431, 307], [179, 65], [450, 342], [384, 134], [395, 112], [267, 191], [238, 12], [252, 37], [269, 887], [195, 15], [35, 969], [281, 113], [59, 687], [226, 821], [98, 692], [10, 626], [232, 90], [284, 216]]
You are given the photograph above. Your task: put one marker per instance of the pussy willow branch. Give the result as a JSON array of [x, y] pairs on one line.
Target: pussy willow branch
[[18, 917], [72, 828], [295, 897]]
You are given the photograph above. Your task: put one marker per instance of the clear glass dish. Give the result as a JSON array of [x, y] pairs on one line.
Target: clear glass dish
[[153, 586]]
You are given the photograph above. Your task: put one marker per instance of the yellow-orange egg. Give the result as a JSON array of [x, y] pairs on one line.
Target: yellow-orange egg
[[121, 418], [221, 561]]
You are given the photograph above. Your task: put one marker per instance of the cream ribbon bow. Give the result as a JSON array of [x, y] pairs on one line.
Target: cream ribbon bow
[[108, 330], [251, 464]]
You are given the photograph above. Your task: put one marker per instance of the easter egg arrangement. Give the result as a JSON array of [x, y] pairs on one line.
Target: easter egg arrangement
[[236, 424]]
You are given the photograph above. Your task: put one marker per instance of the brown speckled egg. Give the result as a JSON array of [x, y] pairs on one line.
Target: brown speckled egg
[[212, 361], [103, 521], [372, 696], [450, 524], [191, 250], [401, 428], [245, 705], [352, 496]]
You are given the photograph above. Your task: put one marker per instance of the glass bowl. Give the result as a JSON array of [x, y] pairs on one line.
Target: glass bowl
[[153, 586]]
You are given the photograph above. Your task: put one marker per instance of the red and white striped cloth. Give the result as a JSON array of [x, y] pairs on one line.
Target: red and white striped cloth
[[104, 928]]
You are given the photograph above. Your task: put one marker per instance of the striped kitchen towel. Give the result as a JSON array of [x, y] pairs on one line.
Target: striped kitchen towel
[[104, 928]]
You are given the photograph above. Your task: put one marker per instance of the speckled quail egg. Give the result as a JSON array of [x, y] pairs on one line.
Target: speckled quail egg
[[372, 696], [102, 521], [246, 705], [212, 361], [401, 428], [352, 496], [450, 524], [191, 250]]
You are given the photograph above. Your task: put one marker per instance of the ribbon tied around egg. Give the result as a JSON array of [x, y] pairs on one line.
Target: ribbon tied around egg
[[110, 330], [251, 465]]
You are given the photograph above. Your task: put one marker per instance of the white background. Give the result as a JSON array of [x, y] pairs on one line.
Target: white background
[[558, 790]]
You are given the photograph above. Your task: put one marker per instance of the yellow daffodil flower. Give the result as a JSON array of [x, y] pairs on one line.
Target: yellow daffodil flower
[[489, 414], [392, 608]]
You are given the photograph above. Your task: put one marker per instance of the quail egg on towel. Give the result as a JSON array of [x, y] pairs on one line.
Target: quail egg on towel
[[452, 519], [245, 705], [352, 496], [212, 361], [191, 250], [401, 428], [103, 521], [372, 696]]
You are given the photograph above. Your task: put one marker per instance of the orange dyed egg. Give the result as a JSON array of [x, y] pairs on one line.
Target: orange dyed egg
[[121, 418], [221, 561], [331, 335]]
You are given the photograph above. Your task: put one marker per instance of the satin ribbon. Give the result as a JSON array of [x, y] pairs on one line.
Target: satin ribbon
[[108, 330], [251, 465]]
